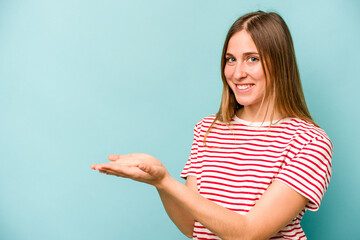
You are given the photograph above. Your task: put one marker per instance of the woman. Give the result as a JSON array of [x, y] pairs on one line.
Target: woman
[[261, 162]]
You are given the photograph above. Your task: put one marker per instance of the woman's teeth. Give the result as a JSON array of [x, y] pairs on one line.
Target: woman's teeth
[[244, 86]]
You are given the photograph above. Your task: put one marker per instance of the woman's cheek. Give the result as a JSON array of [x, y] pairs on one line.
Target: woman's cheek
[[258, 72], [227, 73]]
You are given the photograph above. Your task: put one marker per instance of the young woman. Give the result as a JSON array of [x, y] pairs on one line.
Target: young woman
[[261, 161]]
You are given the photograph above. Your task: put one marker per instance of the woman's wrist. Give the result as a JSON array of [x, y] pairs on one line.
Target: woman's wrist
[[165, 183]]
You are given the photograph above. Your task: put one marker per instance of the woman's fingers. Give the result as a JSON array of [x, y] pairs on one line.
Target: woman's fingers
[[95, 166], [137, 166], [114, 164], [125, 170], [142, 172], [114, 157], [114, 173], [101, 165]]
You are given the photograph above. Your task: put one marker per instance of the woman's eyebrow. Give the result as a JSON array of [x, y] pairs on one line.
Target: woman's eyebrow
[[251, 53], [245, 53]]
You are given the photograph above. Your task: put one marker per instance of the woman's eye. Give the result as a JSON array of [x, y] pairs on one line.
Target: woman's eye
[[230, 59], [253, 59]]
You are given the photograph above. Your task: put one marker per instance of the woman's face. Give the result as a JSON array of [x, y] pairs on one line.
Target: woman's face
[[243, 71]]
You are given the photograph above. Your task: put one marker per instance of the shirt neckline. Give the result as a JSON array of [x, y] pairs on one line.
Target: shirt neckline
[[260, 124]]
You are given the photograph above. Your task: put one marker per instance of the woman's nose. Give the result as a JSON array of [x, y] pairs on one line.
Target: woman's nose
[[240, 71]]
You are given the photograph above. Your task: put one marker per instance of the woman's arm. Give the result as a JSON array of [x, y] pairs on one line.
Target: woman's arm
[[182, 219], [127, 166], [277, 207]]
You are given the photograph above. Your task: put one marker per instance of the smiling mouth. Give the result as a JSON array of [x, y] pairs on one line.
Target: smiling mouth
[[244, 86]]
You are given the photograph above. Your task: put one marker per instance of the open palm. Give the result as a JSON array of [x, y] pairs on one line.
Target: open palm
[[137, 166]]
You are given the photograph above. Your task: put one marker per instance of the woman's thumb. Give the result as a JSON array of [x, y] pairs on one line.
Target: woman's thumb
[[113, 157]]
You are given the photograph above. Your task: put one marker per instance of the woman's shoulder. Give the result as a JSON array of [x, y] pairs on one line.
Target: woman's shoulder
[[205, 122], [209, 118], [306, 130]]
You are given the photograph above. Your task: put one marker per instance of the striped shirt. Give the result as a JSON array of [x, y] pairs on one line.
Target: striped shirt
[[242, 159]]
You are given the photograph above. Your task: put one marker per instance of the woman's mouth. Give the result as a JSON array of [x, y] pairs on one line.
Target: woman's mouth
[[244, 87]]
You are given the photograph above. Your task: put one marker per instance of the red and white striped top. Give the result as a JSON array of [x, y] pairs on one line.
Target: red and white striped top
[[242, 159]]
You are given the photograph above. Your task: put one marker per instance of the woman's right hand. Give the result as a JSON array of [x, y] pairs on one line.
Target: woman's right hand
[[140, 167]]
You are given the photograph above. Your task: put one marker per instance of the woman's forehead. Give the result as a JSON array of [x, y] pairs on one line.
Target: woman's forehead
[[240, 43]]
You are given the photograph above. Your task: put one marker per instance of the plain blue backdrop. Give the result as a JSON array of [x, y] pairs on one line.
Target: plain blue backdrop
[[82, 79]]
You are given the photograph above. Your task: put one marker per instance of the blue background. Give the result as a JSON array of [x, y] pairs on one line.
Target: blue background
[[82, 79]]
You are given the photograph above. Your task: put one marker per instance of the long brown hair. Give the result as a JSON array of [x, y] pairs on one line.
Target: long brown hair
[[275, 46]]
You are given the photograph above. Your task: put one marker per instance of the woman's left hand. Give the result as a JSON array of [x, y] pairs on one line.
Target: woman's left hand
[[137, 166]]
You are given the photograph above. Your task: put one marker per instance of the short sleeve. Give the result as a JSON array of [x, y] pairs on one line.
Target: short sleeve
[[190, 167], [309, 171]]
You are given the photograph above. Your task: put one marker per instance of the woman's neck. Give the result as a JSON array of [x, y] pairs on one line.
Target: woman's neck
[[256, 115]]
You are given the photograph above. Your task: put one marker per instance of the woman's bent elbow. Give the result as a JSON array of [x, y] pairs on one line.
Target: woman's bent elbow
[[188, 234]]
